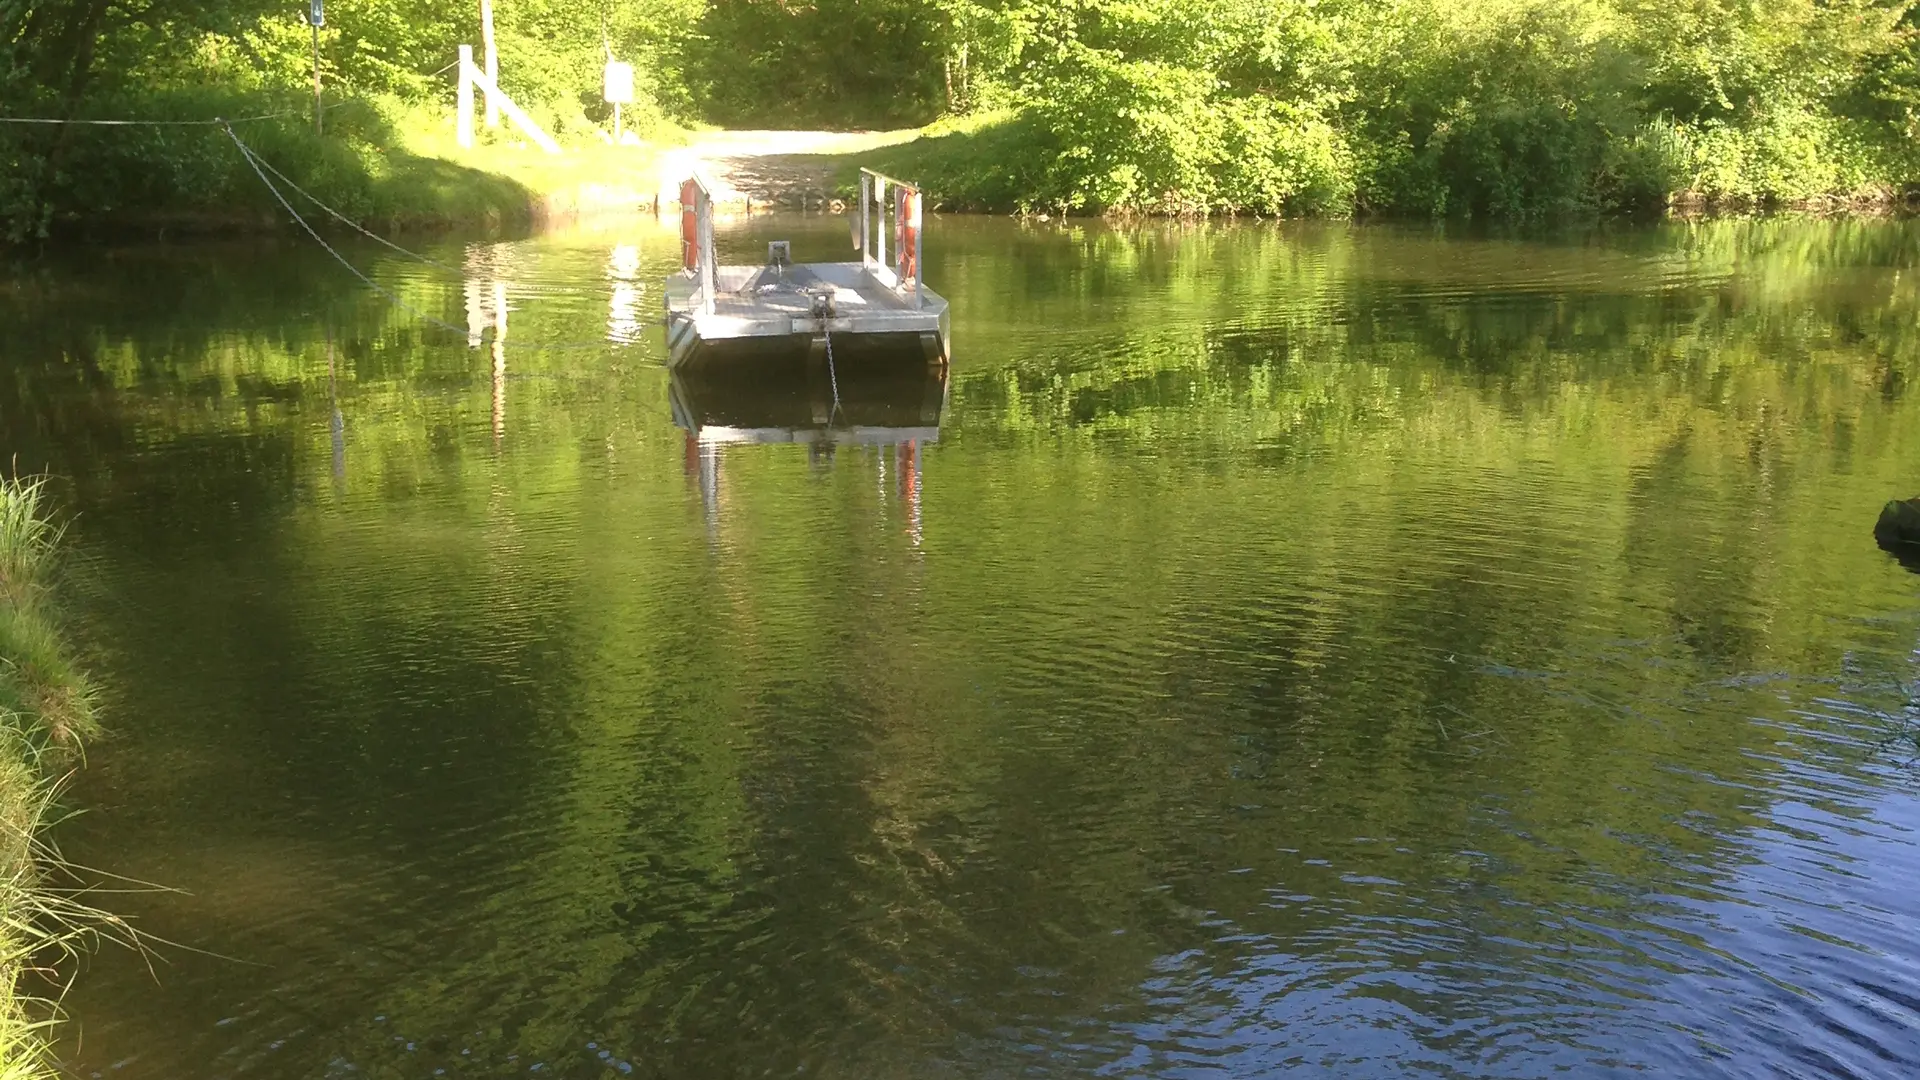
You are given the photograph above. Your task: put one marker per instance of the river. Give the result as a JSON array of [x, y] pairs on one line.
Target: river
[[1359, 651]]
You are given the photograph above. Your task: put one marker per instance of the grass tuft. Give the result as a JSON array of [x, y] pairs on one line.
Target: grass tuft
[[47, 710], [27, 540]]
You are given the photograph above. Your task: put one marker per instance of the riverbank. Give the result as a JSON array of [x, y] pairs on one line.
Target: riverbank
[[397, 169], [46, 712], [381, 163], [1013, 161]]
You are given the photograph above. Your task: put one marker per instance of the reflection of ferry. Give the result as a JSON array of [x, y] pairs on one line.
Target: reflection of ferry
[[866, 399], [890, 409]]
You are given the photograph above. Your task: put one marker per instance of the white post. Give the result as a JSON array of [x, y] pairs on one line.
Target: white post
[[493, 59], [866, 199], [880, 237], [318, 109], [514, 112], [708, 259], [465, 121]]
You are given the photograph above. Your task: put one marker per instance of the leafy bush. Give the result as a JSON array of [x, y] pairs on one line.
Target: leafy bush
[[1482, 108], [102, 177]]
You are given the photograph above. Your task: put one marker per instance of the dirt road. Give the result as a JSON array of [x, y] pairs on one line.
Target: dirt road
[[787, 168]]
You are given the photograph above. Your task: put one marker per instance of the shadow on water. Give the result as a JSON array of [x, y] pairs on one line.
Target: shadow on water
[[872, 397]]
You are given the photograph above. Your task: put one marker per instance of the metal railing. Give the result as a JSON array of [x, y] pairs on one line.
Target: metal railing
[[902, 272], [697, 258]]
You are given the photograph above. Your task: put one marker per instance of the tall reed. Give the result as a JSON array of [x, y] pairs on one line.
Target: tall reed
[[46, 711]]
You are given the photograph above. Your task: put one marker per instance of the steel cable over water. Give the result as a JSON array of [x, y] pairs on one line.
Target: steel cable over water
[[370, 234], [247, 152], [260, 167], [215, 122], [349, 222]]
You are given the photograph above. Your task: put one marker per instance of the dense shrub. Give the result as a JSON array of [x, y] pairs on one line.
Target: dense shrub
[[383, 63], [1490, 108], [1485, 108]]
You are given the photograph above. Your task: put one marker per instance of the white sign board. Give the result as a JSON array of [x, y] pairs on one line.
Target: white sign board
[[619, 83]]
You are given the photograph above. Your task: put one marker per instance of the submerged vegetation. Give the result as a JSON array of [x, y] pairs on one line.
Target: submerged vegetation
[[46, 711]]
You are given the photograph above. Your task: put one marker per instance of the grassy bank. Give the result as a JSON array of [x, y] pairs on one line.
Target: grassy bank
[[1511, 110], [1488, 109], [386, 163], [46, 711], [1011, 161]]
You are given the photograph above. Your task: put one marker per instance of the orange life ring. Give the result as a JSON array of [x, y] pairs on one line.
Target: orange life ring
[[689, 226], [907, 234]]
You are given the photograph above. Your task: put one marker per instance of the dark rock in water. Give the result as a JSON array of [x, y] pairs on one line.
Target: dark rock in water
[[1898, 531]]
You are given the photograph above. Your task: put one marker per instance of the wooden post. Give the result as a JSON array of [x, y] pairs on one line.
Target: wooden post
[[493, 59], [464, 125], [316, 79], [966, 81], [514, 112]]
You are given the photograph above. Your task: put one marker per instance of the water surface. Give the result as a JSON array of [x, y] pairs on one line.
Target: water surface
[[1346, 651]]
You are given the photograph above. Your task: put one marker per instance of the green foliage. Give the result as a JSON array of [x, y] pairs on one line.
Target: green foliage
[[104, 177], [46, 709], [382, 65], [769, 63], [1508, 109], [44, 699], [1486, 108]]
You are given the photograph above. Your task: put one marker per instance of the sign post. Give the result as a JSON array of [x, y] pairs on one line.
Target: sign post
[[618, 91], [317, 18]]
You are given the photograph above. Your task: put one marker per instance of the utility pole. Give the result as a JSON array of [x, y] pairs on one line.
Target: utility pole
[[317, 18], [492, 58]]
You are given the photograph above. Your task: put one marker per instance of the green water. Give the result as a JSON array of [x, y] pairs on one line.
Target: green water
[[1272, 649]]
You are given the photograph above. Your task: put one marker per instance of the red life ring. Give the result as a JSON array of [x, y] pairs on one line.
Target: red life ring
[[907, 235], [689, 226]]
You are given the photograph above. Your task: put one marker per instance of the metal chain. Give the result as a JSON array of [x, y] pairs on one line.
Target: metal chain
[[833, 378]]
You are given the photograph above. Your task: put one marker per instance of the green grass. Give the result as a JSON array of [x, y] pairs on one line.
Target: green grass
[[46, 711], [387, 164]]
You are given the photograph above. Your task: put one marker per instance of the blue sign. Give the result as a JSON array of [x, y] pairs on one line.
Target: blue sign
[[317, 14]]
